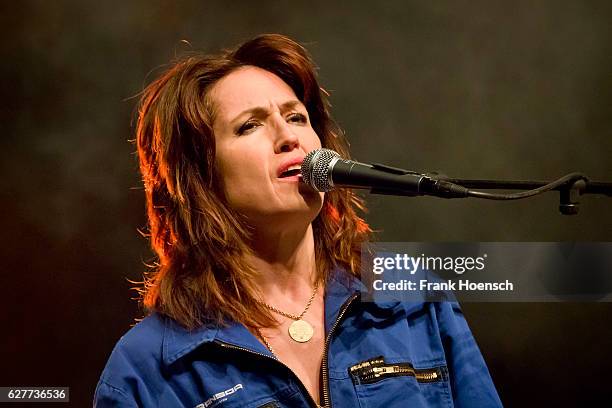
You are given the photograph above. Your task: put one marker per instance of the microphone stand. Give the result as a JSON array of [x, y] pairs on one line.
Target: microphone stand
[[569, 193], [570, 187]]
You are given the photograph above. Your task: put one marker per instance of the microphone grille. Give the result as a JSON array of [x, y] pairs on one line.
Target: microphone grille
[[316, 169]]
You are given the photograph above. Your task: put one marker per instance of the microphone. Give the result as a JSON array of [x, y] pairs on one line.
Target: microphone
[[324, 170]]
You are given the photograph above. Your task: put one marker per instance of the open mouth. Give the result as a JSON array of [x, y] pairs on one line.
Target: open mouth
[[290, 173]]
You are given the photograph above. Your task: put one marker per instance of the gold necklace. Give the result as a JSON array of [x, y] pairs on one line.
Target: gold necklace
[[267, 343], [300, 330], [265, 340]]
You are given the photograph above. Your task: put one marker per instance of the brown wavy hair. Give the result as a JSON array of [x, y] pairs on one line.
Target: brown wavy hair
[[202, 276]]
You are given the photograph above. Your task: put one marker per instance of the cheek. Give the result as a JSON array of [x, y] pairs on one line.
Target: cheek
[[242, 170], [311, 140]]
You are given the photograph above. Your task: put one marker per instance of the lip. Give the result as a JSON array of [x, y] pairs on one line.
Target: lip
[[285, 164]]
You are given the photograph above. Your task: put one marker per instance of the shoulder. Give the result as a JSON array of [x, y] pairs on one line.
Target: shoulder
[[437, 310], [133, 364], [443, 319], [140, 346]]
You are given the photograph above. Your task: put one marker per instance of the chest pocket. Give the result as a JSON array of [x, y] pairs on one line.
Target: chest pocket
[[272, 404], [380, 383]]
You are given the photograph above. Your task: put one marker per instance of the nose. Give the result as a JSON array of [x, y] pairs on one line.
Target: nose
[[285, 138]]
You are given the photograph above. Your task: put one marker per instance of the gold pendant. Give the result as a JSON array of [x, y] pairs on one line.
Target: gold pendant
[[301, 331]]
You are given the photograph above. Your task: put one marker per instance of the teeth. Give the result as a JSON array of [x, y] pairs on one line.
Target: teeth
[[292, 170]]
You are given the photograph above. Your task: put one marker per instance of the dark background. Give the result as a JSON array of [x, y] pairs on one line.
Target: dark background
[[477, 89]]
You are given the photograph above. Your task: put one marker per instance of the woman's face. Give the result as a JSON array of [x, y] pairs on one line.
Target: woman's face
[[262, 131]]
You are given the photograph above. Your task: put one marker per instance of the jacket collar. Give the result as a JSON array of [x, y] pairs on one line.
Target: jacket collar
[[178, 341], [341, 286]]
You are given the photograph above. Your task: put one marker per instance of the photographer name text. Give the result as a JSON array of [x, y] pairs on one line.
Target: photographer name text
[[425, 285]]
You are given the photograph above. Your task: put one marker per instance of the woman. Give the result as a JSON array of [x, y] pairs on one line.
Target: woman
[[255, 302]]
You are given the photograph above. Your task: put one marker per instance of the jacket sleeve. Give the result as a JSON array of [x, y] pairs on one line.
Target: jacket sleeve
[[470, 381], [107, 396]]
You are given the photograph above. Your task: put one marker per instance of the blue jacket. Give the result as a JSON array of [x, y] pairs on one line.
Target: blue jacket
[[378, 355]]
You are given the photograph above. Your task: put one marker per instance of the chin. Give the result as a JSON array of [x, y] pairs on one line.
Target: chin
[[303, 214], [314, 202]]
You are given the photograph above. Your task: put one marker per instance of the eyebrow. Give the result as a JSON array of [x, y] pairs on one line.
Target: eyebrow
[[262, 110]]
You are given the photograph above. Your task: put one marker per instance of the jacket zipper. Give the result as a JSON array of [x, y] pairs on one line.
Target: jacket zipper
[[311, 401], [324, 368], [371, 375]]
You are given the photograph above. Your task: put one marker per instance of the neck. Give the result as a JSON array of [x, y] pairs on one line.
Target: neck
[[285, 262]]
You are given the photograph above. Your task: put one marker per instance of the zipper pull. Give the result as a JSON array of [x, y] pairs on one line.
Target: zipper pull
[[430, 376], [378, 371]]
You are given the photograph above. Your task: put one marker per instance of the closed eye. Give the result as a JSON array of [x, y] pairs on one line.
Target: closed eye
[[297, 118], [247, 127]]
